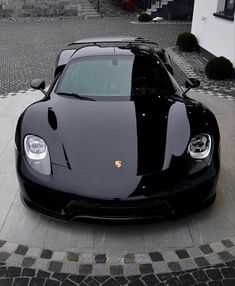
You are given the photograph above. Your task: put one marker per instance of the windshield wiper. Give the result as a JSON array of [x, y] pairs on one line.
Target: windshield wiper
[[76, 95]]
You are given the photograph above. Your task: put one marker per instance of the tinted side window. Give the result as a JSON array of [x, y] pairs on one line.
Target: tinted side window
[[149, 77]]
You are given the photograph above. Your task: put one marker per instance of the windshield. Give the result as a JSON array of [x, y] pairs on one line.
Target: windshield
[[115, 76]]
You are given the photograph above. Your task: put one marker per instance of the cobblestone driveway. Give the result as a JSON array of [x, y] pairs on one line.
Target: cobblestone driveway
[[28, 49], [221, 274]]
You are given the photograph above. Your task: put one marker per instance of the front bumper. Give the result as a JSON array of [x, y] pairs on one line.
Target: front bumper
[[61, 206], [178, 200]]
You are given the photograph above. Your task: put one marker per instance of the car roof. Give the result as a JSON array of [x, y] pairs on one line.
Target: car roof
[[102, 46], [112, 45], [101, 51], [113, 39]]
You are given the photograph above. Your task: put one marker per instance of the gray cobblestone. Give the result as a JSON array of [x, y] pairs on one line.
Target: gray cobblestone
[[70, 267], [194, 252], [9, 247], [169, 255], [200, 276], [201, 262], [41, 264], [28, 262], [219, 275], [85, 258], [129, 270], [174, 266], [100, 269], [161, 267], [15, 259], [226, 256], [182, 253], [214, 259], [142, 258], [85, 269], [58, 255], [206, 249], [4, 256], [29, 272], [146, 268], [217, 246], [72, 256], [55, 266], [34, 252], [116, 270], [21, 249], [60, 276], [43, 274], [187, 264], [2, 242]]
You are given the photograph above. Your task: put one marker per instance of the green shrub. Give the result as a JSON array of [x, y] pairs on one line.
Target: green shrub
[[144, 17], [219, 68], [187, 41]]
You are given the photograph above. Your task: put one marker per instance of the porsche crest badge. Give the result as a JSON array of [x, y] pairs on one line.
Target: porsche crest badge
[[118, 164]]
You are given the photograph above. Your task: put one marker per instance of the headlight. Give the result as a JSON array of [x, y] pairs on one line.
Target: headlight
[[200, 146], [200, 151], [37, 154]]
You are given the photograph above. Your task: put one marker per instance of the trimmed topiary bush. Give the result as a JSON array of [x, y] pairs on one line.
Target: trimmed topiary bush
[[187, 41], [219, 68], [144, 17]]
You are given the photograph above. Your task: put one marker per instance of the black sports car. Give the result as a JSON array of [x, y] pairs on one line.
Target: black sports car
[[116, 138]]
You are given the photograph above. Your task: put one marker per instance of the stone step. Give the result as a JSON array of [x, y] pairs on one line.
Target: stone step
[[92, 16], [87, 7], [91, 13], [86, 4], [83, 1], [87, 10], [159, 5]]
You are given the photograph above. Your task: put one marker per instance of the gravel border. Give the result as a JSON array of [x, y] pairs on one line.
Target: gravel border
[[224, 89]]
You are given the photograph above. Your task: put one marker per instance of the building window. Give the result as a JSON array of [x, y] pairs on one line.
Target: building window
[[228, 7]]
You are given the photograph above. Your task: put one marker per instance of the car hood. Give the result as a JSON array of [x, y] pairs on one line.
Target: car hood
[[93, 136], [111, 141]]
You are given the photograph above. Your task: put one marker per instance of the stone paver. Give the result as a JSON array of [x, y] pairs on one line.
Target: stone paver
[[221, 274]]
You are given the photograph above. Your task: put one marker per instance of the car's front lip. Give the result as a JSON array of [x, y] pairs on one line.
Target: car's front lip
[[62, 207], [178, 199]]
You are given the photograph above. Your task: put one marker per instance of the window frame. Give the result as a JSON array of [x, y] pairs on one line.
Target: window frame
[[227, 14], [228, 11]]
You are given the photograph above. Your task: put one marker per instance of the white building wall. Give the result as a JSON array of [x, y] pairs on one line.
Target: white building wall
[[214, 34]]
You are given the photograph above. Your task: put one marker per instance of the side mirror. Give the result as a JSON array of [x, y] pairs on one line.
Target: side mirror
[[39, 84], [191, 83]]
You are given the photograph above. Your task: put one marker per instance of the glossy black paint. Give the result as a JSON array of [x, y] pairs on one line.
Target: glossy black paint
[[85, 138], [38, 84]]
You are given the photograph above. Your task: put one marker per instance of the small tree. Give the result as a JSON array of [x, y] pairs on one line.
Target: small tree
[[219, 68], [144, 17], [187, 41]]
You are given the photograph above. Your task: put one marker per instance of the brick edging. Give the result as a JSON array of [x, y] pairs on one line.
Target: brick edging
[[165, 260]]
